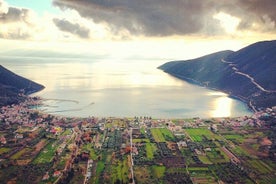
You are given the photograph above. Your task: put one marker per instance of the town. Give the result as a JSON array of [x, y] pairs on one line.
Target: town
[[36, 147]]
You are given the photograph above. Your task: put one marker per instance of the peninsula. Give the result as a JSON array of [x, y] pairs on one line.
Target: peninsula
[[248, 74]]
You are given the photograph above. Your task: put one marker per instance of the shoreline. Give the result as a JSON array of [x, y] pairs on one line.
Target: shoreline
[[249, 104]]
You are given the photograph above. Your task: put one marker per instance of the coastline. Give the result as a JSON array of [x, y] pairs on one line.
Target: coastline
[[249, 104]]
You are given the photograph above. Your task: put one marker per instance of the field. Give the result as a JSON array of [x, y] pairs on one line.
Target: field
[[201, 175], [158, 171], [216, 155], [234, 137], [262, 167], [4, 150], [140, 140], [21, 153], [119, 171], [89, 147], [162, 134], [47, 154], [198, 134], [150, 149], [99, 169]]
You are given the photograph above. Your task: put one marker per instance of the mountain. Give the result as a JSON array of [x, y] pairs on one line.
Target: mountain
[[248, 74], [12, 86]]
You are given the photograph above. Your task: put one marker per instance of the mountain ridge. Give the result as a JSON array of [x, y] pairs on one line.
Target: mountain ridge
[[248, 74], [13, 87]]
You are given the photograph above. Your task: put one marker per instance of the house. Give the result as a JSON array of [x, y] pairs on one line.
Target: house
[[46, 176], [182, 144], [56, 174], [3, 140], [19, 136]]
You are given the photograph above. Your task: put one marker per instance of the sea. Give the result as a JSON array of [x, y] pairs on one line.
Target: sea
[[119, 87]]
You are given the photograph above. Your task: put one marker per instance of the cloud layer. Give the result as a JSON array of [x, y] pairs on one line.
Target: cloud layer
[[74, 28], [15, 22], [120, 19], [174, 17]]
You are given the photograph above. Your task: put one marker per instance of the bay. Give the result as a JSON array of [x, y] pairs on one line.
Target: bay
[[119, 87]]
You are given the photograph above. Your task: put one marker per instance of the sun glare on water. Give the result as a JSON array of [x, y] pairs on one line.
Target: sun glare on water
[[222, 107]]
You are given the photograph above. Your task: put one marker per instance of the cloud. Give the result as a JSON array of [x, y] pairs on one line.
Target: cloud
[[3, 7], [255, 15], [73, 28], [150, 18], [16, 23], [174, 17]]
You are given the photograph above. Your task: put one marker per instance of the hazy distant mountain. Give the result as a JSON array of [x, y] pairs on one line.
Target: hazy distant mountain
[[249, 74], [11, 85]]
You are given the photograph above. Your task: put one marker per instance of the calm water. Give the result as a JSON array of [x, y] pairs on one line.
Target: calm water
[[122, 88]]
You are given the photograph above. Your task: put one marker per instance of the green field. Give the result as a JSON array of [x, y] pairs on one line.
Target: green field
[[262, 167], [239, 151], [158, 171], [89, 147], [140, 140], [99, 169], [204, 159], [150, 149], [119, 172], [198, 134], [234, 137], [4, 150], [68, 131], [20, 153], [162, 134], [216, 155], [47, 154]]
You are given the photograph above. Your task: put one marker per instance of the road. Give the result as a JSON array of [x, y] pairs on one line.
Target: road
[[247, 76], [131, 168]]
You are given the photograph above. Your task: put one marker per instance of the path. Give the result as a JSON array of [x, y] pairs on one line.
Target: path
[[247, 76], [131, 168]]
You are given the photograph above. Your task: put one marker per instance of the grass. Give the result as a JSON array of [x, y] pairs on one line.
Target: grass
[[142, 174], [150, 149], [47, 154], [239, 151], [120, 171], [216, 155], [162, 134], [204, 159], [198, 169], [236, 137], [20, 153], [99, 170], [4, 150], [262, 167], [197, 134], [157, 135], [68, 131], [158, 171], [89, 147], [140, 140], [202, 175], [167, 134]]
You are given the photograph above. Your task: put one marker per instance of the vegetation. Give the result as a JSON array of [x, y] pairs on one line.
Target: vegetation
[[198, 134]]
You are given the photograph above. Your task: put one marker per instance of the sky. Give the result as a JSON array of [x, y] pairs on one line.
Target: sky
[[168, 29]]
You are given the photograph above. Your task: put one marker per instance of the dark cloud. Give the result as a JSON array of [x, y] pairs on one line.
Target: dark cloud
[[173, 17], [14, 15], [67, 26], [254, 14], [147, 17]]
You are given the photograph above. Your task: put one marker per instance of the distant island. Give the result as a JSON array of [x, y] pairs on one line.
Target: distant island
[[13, 87], [248, 74]]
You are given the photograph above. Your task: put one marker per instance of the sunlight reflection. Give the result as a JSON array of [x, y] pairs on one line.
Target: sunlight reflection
[[222, 107]]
